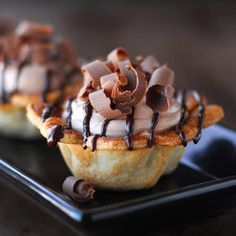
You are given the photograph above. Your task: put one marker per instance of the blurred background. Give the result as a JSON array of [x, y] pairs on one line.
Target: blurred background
[[196, 38]]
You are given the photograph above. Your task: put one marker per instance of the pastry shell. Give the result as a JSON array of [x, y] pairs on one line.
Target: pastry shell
[[13, 120], [111, 166]]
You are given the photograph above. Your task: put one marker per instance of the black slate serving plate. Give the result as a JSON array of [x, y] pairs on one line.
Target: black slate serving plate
[[203, 184]]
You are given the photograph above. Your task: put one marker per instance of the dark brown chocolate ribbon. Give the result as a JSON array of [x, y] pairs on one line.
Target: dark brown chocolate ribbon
[[149, 64], [78, 189], [118, 54], [28, 31], [119, 92], [160, 92], [92, 74]]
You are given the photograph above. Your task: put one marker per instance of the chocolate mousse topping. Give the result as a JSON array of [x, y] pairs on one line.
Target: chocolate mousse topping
[[115, 87], [33, 43]]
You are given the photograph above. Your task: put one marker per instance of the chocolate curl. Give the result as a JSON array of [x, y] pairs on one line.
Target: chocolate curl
[[160, 92], [149, 64], [112, 84], [102, 104], [108, 82], [117, 55], [136, 81], [92, 73], [27, 31], [159, 97], [163, 76], [78, 189]]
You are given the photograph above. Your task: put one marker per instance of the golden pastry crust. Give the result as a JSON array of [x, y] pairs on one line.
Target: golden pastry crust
[[9, 114], [23, 99], [112, 166], [213, 113], [118, 170]]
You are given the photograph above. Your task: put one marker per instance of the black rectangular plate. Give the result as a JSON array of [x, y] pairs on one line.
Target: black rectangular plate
[[205, 181]]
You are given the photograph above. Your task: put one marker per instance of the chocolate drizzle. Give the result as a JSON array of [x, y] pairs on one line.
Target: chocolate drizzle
[[129, 127], [3, 97], [96, 136], [151, 135], [179, 127], [55, 135], [56, 132], [47, 86], [86, 123], [46, 113], [48, 110], [201, 110], [20, 68], [69, 111]]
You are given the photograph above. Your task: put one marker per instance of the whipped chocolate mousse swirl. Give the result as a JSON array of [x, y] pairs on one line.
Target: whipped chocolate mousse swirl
[[115, 87], [30, 53], [122, 99]]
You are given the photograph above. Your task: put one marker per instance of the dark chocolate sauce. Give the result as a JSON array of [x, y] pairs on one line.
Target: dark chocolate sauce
[[56, 133], [96, 136], [86, 123], [201, 111], [129, 127], [3, 97], [179, 127], [48, 111], [69, 112], [151, 135], [49, 74], [20, 68]]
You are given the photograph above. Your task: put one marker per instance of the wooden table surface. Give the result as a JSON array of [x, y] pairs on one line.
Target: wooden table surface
[[197, 40]]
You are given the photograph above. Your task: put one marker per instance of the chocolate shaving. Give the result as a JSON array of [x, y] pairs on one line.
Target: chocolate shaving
[[118, 54], [119, 91], [108, 82], [160, 92], [93, 71], [162, 76], [78, 189], [136, 82], [159, 97], [27, 31], [92, 74], [149, 64], [102, 104]]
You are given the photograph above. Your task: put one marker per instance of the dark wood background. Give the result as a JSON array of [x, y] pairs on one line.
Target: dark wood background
[[197, 39]]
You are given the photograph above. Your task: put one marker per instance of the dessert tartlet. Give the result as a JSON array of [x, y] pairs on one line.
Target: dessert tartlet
[[34, 66], [127, 127]]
